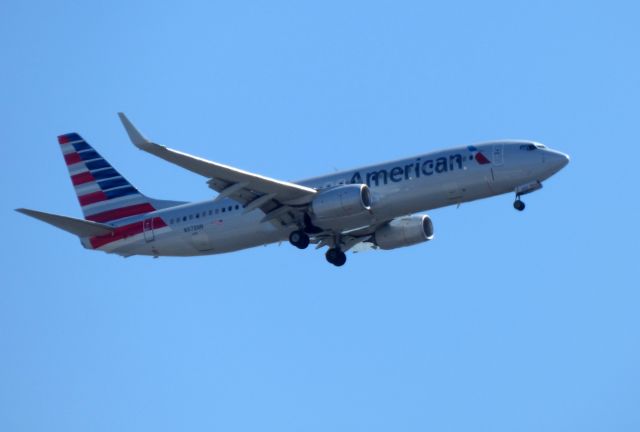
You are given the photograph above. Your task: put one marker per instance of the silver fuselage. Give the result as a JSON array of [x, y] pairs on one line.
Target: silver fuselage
[[398, 188]]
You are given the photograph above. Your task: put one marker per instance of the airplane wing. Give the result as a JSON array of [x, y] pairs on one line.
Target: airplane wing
[[357, 240], [274, 197]]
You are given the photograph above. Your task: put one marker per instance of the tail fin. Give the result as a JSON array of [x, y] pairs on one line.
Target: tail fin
[[104, 195]]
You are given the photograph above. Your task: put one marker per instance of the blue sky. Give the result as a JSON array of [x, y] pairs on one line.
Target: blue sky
[[505, 322]]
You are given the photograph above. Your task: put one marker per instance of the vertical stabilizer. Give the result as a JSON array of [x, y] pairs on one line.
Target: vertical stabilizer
[[104, 194]]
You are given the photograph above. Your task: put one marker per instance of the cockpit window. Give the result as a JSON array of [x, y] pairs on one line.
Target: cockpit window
[[540, 146], [527, 147]]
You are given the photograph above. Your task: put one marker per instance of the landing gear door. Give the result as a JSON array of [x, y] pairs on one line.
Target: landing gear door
[[147, 228], [498, 154]]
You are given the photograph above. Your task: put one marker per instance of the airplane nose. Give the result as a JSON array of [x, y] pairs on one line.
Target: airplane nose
[[565, 159], [558, 160]]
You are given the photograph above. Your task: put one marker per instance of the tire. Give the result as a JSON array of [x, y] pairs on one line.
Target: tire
[[341, 259], [518, 205], [336, 257], [299, 239]]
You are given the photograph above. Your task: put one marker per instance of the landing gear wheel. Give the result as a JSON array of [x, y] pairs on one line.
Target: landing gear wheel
[[336, 257], [299, 239], [518, 205]]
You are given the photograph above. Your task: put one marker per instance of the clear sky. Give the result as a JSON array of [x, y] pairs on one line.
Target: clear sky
[[507, 321]]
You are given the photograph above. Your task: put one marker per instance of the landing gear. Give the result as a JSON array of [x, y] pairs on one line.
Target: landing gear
[[518, 204], [336, 257], [299, 239]]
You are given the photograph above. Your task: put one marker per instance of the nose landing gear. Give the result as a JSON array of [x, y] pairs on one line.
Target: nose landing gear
[[525, 189]]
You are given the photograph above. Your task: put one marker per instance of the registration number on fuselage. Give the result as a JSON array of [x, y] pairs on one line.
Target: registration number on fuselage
[[193, 228]]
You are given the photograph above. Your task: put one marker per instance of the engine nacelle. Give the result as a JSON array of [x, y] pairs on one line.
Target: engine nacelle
[[341, 202], [404, 231]]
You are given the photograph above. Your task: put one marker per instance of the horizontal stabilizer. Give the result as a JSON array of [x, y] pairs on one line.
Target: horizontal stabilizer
[[79, 227]]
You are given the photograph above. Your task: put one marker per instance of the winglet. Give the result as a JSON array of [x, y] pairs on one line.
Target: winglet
[[134, 135]]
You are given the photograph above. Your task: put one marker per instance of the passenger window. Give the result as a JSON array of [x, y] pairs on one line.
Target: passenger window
[[224, 209], [197, 215], [184, 218], [237, 206], [230, 208]]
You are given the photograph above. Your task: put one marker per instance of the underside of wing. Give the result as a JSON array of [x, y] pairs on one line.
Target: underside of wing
[[358, 240], [277, 199]]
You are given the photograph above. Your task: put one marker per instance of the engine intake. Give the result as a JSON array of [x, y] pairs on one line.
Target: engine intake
[[404, 231], [342, 202]]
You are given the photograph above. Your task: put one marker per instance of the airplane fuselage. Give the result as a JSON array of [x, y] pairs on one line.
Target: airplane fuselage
[[421, 183]]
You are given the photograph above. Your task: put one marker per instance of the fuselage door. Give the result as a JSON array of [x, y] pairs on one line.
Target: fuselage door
[[498, 154], [147, 228]]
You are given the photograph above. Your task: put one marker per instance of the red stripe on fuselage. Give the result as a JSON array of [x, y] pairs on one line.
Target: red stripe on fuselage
[[72, 158], [482, 159], [121, 213], [124, 231], [82, 178], [92, 198]]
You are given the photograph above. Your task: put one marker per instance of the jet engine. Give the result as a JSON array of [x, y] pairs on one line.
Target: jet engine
[[341, 204], [404, 231]]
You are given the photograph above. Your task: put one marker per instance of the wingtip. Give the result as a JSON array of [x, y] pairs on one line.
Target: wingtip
[[134, 134]]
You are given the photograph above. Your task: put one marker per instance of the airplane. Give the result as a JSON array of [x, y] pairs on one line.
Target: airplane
[[372, 207]]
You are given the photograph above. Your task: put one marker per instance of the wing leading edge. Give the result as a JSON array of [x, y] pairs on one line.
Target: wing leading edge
[[274, 197]]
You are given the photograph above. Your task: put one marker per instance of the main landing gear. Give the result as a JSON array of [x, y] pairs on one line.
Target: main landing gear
[[299, 239], [518, 204], [336, 257]]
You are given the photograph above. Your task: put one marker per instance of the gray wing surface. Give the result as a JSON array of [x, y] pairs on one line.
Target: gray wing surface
[[274, 197]]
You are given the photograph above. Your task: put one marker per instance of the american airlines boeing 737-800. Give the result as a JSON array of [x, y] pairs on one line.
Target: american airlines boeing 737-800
[[374, 205]]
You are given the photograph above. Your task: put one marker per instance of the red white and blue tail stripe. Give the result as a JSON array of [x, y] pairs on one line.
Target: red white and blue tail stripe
[[104, 195]]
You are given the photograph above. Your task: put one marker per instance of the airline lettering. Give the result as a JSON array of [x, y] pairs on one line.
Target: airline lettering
[[409, 171]]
